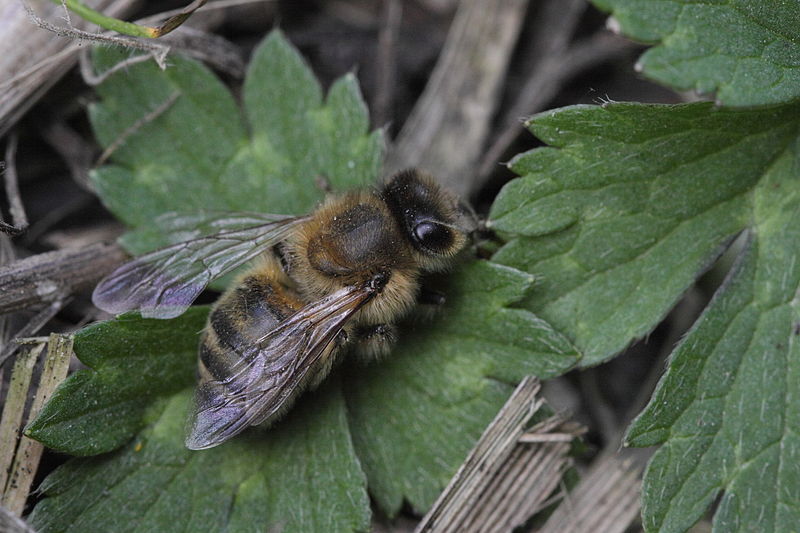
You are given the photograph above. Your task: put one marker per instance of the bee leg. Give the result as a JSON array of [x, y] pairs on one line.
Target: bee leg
[[326, 363], [431, 297], [328, 360], [280, 251], [430, 303], [375, 340]]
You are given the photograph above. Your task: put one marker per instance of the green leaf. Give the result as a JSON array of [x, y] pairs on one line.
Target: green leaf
[[629, 206], [135, 365], [727, 408], [300, 476], [416, 416], [616, 221], [308, 472], [749, 52], [200, 154]]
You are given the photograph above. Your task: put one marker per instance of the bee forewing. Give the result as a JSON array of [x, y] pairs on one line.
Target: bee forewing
[[261, 383], [163, 283]]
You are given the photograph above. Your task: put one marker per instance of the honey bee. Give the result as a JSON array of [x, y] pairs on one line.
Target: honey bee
[[341, 276]]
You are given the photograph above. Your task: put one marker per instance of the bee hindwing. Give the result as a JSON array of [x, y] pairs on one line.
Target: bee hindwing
[[271, 372]]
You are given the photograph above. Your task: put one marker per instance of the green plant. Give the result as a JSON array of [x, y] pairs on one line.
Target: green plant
[[604, 231], [402, 427]]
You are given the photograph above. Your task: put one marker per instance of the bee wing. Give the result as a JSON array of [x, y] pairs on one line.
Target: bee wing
[[163, 283], [180, 226], [266, 378]]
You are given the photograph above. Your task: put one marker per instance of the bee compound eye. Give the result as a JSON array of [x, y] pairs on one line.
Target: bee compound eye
[[432, 236]]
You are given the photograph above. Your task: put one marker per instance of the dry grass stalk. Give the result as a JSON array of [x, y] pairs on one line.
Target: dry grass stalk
[[549, 76], [28, 451], [15, 208], [11, 523], [12, 420], [448, 126], [31, 61], [503, 481], [606, 500]]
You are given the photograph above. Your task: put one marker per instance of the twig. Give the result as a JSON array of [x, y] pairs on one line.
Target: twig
[[128, 28], [158, 51], [39, 278], [93, 79], [544, 84], [136, 126], [55, 58], [73, 149], [552, 33], [22, 341], [29, 451], [503, 481], [209, 48], [67, 16], [220, 4], [34, 324], [32, 61], [54, 216], [449, 124], [386, 65], [24, 76], [16, 209]]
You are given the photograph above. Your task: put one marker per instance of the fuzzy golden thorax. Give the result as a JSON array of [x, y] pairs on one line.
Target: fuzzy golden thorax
[[347, 241]]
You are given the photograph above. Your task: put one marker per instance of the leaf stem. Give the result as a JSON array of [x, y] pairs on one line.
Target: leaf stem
[[129, 28]]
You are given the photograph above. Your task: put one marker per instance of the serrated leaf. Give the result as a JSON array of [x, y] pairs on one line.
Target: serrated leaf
[[748, 52], [302, 475], [631, 204], [727, 409], [253, 483], [616, 222], [415, 416], [100, 409], [200, 154]]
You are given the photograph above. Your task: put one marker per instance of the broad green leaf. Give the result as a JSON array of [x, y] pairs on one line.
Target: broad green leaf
[[308, 472], [200, 153], [135, 365], [629, 205], [747, 51], [300, 476], [615, 221], [415, 417], [727, 410]]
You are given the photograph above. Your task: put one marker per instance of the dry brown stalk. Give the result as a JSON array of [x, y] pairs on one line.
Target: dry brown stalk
[[29, 451], [607, 499], [46, 277], [447, 128], [503, 481]]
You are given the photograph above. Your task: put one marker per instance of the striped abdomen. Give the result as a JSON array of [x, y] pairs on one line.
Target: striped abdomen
[[246, 312]]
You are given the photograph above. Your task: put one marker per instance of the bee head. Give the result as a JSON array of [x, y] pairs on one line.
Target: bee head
[[433, 220]]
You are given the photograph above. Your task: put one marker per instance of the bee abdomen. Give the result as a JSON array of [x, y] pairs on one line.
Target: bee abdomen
[[245, 313]]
